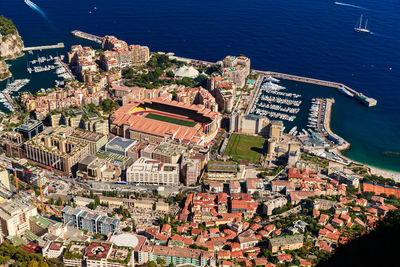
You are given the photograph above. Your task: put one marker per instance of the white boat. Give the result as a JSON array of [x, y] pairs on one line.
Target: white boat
[[361, 29], [272, 79]]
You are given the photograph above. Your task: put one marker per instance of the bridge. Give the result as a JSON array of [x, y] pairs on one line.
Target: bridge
[[43, 47]]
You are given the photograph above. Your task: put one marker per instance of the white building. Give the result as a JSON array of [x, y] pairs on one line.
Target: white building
[[4, 179], [149, 171], [186, 71], [14, 217], [53, 250]]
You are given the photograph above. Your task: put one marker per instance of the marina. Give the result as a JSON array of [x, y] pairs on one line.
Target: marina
[[271, 101], [5, 95], [57, 65]]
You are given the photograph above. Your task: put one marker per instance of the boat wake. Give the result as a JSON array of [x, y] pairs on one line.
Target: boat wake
[[350, 5], [37, 9], [378, 34]]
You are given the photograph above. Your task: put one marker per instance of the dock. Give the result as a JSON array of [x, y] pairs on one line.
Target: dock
[[87, 36], [43, 47], [65, 66]]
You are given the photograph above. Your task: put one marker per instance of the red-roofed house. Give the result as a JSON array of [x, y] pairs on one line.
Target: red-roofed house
[[337, 222], [284, 258], [305, 263]]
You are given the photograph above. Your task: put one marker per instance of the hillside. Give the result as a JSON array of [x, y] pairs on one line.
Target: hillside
[[379, 248]]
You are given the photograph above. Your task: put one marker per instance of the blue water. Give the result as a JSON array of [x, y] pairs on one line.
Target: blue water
[[312, 38]]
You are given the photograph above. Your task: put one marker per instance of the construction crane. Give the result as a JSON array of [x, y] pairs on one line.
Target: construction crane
[[40, 184], [16, 177]]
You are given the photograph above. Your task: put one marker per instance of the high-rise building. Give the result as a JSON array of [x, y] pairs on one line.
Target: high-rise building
[[276, 129], [190, 170], [4, 179]]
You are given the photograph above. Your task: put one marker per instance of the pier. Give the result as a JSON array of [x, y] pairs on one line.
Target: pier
[[43, 47], [88, 36]]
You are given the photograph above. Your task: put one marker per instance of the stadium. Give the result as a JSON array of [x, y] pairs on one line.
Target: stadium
[[158, 120]]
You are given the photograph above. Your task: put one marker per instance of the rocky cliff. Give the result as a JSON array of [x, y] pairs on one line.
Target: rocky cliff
[[11, 45], [4, 71]]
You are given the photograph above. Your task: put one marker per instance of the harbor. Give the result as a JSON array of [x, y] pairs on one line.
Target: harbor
[[368, 101]]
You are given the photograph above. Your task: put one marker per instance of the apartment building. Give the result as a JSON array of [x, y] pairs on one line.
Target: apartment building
[[92, 222], [149, 171], [14, 217], [177, 256], [55, 148]]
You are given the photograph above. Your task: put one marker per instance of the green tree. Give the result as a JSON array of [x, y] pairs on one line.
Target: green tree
[[59, 201], [179, 197], [170, 74], [160, 261], [33, 263]]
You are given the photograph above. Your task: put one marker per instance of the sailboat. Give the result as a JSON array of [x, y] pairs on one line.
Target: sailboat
[[360, 28]]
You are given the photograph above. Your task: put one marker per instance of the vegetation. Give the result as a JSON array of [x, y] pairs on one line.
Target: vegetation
[[7, 27], [245, 148], [282, 209], [170, 120], [380, 180], [24, 259], [272, 172]]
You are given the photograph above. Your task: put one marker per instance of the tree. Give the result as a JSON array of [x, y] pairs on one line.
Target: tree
[[160, 261], [59, 201], [170, 74], [127, 229], [33, 263], [134, 225], [351, 189], [91, 194], [96, 200], [256, 195], [151, 264], [179, 197]]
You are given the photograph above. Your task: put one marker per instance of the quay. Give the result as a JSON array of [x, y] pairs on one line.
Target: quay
[[87, 36], [60, 60], [340, 142], [43, 47]]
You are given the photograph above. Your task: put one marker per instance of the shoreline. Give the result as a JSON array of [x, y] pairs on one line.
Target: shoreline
[[374, 170]]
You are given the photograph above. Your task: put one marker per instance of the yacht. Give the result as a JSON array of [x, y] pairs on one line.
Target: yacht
[[361, 29]]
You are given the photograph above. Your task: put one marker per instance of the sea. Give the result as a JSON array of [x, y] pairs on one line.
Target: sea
[[312, 38]]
